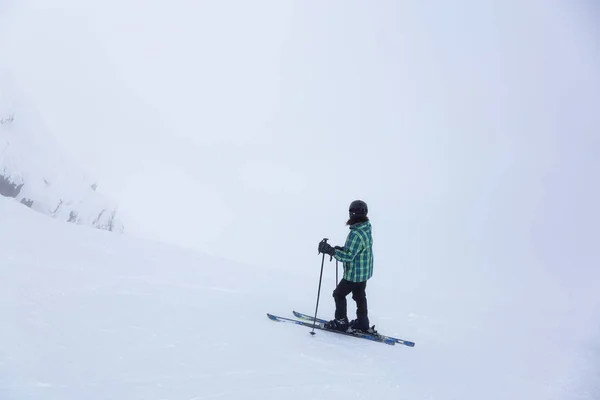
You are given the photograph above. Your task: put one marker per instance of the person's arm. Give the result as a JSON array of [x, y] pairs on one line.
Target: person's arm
[[350, 250]]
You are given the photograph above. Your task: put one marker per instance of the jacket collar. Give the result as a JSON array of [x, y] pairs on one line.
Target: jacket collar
[[361, 225]]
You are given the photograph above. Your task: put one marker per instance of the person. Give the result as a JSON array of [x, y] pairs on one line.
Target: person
[[357, 256]]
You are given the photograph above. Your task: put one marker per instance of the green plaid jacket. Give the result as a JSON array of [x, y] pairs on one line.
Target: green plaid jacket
[[357, 254]]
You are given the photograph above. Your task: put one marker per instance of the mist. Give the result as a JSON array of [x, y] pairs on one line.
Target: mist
[[244, 130]]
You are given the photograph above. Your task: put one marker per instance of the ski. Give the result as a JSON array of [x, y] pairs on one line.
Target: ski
[[322, 321], [374, 338]]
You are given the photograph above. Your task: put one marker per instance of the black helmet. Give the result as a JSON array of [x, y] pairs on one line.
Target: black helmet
[[358, 208]]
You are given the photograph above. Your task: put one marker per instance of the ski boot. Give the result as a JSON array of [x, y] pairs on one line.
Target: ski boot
[[338, 325], [361, 324]]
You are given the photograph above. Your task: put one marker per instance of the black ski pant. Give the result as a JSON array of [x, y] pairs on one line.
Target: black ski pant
[[343, 289]]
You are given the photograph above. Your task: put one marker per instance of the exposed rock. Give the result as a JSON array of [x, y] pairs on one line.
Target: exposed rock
[[35, 172], [27, 202], [8, 188]]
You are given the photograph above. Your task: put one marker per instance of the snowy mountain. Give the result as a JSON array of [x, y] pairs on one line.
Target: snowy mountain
[[35, 172], [471, 131], [90, 315]]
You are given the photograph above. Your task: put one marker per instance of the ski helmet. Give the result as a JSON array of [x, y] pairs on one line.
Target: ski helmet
[[358, 208]]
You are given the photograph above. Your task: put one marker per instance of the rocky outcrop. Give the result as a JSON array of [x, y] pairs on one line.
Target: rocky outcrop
[[35, 172], [8, 188]]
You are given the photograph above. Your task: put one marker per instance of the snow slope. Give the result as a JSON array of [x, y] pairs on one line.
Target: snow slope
[[35, 171], [91, 315]]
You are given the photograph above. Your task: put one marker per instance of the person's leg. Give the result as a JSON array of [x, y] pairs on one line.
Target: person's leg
[[359, 295], [342, 290]]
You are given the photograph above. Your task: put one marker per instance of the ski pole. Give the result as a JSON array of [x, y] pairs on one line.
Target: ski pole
[[319, 291]]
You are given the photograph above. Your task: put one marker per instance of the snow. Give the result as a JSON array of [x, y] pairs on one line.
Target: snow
[[92, 315], [479, 169], [35, 171]]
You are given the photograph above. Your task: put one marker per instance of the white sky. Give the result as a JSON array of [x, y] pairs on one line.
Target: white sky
[[244, 129]]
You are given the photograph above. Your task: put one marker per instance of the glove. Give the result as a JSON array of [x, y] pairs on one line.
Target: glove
[[325, 248]]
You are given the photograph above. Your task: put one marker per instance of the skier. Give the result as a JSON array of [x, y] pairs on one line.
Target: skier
[[357, 256]]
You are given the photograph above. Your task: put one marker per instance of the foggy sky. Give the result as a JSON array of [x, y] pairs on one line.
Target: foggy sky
[[245, 129]]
